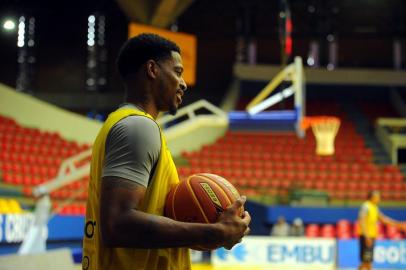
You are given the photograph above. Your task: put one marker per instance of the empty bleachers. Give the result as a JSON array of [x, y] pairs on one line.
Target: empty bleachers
[[29, 157], [258, 163], [272, 163], [269, 162]]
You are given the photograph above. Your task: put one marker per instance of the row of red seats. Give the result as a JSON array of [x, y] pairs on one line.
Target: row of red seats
[[7, 127], [288, 138], [274, 188], [304, 149], [346, 194], [42, 149], [75, 209], [345, 230], [342, 167], [27, 180], [27, 144], [29, 169], [329, 186], [339, 190], [64, 194], [29, 157], [22, 135], [7, 120], [305, 143], [261, 156], [45, 160], [282, 175]]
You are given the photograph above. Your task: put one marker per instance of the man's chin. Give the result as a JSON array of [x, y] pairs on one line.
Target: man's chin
[[173, 110]]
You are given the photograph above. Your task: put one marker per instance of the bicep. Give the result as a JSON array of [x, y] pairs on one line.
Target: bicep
[[120, 192], [118, 197]]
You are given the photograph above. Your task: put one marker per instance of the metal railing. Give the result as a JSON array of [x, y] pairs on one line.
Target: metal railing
[[190, 111]]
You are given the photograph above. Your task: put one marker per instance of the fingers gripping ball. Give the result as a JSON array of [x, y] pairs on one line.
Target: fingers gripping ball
[[201, 198]]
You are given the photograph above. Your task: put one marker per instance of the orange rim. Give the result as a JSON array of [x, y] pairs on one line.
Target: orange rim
[[308, 121]]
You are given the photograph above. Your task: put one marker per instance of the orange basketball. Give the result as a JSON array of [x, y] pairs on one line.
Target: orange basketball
[[200, 199]]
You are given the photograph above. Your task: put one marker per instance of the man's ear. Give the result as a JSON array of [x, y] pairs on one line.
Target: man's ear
[[152, 69]]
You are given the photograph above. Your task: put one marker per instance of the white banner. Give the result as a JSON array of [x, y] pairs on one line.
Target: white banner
[[14, 227], [279, 253]]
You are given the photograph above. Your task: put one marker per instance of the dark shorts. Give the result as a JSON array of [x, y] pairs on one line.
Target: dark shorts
[[366, 253]]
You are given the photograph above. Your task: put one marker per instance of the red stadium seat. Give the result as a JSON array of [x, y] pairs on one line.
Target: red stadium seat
[[328, 230], [393, 232], [312, 230], [343, 229]]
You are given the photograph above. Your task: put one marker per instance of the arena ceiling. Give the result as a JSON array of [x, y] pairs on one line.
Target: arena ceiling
[[382, 17], [160, 13]]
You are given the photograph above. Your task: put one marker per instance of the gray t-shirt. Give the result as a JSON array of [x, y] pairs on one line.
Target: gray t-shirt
[[132, 149]]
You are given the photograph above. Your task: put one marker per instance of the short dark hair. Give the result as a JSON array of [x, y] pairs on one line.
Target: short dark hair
[[138, 50], [371, 193]]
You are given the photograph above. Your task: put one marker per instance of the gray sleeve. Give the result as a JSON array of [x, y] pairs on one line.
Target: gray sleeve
[[132, 149], [363, 210]]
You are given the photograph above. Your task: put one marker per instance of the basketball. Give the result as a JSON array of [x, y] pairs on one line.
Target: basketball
[[200, 199]]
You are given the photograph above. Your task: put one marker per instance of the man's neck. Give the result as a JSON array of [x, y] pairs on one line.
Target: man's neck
[[145, 107], [148, 108], [145, 103]]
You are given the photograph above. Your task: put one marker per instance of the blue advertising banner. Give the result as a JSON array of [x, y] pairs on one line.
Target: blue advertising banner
[[388, 254], [13, 228]]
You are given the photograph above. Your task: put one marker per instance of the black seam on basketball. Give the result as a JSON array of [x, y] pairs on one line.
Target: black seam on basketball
[[173, 202], [195, 199]]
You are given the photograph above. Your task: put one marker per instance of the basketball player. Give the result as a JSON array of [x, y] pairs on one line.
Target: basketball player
[[132, 171], [369, 215]]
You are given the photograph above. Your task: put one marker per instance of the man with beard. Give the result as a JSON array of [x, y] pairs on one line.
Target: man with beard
[[132, 171]]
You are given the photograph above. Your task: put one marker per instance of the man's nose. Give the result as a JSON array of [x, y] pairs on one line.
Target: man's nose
[[183, 85]]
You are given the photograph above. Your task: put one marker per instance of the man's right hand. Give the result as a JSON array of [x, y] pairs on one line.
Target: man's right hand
[[233, 226]]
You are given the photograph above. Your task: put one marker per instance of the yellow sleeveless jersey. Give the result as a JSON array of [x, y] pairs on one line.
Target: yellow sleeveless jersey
[[98, 257], [371, 222]]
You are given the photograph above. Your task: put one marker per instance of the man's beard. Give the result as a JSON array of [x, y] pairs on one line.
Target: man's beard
[[173, 109]]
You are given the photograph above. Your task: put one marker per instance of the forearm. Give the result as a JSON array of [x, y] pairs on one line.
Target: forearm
[[141, 230], [389, 221]]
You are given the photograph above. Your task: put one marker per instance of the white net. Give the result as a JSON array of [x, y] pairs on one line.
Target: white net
[[325, 129]]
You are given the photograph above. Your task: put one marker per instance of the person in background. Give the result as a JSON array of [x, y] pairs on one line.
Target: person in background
[[369, 215], [297, 228], [281, 228]]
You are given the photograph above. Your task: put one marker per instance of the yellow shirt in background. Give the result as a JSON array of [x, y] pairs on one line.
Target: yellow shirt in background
[[369, 228]]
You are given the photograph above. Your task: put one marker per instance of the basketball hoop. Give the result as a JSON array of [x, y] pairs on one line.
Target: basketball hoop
[[325, 129]]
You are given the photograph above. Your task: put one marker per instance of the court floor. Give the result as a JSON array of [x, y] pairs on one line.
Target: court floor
[[210, 267]]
